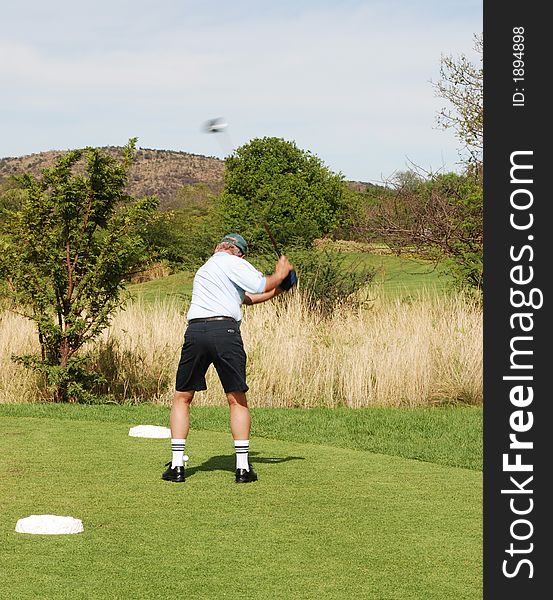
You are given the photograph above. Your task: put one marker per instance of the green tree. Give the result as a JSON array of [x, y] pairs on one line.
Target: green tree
[[462, 85], [438, 216], [65, 253], [270, 178]]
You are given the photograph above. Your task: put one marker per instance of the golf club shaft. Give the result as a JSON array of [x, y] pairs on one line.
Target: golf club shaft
[[271, 237], [220, 132], [263, 221]]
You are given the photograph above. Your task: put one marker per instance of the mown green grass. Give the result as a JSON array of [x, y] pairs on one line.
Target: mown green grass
[[321, 522], [448, 435]]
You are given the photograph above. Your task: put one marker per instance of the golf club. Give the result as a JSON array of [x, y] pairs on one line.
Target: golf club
[[218, 125], [293, 275]]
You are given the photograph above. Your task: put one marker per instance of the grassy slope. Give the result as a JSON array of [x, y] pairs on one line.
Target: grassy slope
[[322, 522], [398, 276], [402, 275], [177, 286]]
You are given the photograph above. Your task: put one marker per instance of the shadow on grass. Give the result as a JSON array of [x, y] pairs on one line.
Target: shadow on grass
[[228, 462]]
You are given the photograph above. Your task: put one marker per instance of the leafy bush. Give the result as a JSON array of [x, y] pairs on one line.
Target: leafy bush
[[326, 279]]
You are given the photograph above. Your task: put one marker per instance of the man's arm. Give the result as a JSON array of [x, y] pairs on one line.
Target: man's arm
[[282, 268], [250, 299]]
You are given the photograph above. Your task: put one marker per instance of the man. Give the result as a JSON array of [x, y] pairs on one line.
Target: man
[[221, 286]]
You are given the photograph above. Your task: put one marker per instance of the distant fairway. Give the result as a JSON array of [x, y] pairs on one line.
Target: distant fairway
[[322, 522], [395, 276], [177, 286], [399, 276]]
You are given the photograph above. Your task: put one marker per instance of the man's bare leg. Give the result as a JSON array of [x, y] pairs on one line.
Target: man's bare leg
[[180, 425], [180, 414], [240, 423]]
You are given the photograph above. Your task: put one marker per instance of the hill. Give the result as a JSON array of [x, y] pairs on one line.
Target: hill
[[159, 173], [155, 172]]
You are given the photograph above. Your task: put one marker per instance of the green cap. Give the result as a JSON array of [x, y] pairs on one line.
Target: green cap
[[237, 240]]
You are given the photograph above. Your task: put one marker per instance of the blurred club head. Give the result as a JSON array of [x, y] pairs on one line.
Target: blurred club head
[[215, 125]]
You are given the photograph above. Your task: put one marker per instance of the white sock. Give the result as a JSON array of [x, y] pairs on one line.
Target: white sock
[[177, 446], [242, 448]]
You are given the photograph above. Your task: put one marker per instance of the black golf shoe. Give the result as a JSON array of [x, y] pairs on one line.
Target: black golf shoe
[[243, 476], [175, 474]]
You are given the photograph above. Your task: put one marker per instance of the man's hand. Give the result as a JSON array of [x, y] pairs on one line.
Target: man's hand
[[290, 279], [283, 267]]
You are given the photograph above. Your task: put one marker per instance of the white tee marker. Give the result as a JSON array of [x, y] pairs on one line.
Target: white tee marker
[[150, 431], [49, 525]]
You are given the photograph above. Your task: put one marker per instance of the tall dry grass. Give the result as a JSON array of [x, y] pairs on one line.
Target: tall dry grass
[[424, 351], [17, 336]]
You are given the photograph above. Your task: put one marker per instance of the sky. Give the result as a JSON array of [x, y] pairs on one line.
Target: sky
[[350, 81]]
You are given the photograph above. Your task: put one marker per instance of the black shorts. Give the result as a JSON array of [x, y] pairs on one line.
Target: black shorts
[[217, 342]]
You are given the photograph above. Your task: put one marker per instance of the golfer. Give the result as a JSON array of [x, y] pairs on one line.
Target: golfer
[[221, 286]]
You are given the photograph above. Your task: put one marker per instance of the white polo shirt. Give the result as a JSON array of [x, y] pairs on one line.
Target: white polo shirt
[[220, 285]]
